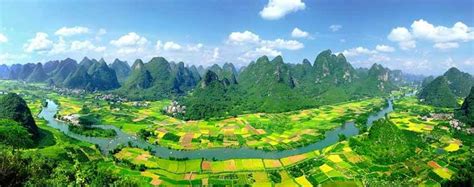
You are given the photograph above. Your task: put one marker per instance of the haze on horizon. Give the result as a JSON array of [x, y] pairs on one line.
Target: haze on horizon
[[417, 37]]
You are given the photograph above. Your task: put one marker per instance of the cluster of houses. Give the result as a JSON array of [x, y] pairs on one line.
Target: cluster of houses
[[111, 98], [140, 104], [72, 119], [454, 123], [174, 109], [66, 91]]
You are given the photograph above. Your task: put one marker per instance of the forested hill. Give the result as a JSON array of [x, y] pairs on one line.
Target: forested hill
[[444, 91], [274, 86], [13, 107], [329, 78]]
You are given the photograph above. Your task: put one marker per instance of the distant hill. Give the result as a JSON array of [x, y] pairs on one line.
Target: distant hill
[[38, 74], [65, 68], [92, 75], [122, 70], [4, 71], [466, 112], [275, 86], [15, 108], [437, 93], [158, 79], [459, 82], [444, 90]]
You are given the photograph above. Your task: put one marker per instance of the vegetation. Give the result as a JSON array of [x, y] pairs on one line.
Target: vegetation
[[14, 134], [437, 93], [14, 107], [93, 131], [275, 86], [413, 146], [386, 143], [466, 113]]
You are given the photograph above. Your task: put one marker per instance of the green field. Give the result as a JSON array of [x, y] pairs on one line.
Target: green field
[[433, 159]]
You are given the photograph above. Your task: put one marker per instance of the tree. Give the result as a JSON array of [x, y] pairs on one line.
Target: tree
[[13, 134]]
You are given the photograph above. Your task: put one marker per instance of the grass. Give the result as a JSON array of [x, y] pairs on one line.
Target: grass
[[336, 165]]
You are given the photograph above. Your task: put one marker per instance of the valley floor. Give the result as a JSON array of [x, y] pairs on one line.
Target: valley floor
[[437, 157]]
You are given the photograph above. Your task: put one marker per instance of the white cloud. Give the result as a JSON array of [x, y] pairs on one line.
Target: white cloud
[[8, 58], [3, 38], [70, 31], [215, 55], [459, 32], [298, 33], [102, 31], [403, 37], [39, 43], [335, 28], [86, 45], [195, 48], [282, 44], [243, 37], [384, 48], [358, 51], [448, 63], [158, 45], [171, 46], [446, 45], [130, 40], [59, 47], [276, 9], [378, 58], [258, 52], [469, 62], [443, 37]]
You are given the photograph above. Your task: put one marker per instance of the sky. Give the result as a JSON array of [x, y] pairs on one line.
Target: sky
[[417, 36]]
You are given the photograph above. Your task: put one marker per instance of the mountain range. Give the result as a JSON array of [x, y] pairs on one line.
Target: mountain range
[[263, 85], [444, 90]]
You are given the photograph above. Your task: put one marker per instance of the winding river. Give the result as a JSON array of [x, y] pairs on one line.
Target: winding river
[[105, 144]]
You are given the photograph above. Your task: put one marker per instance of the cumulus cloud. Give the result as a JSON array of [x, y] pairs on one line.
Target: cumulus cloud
[[248, 37], [86, 45], [243, 37], [282, 44], [131, 43], [469, 61], [39, 43], [59, 47], [195, 48], [298, 33], [129, 40], [171, 46], [3, 38], [443, 37], [384, 48], [215, 54], [102, 31], [8, 58], [446, 45], [377, 58], [358, 51], [276, 9], [70, 31], [335, 28], [458, 32], [403, 37], [258, 52]]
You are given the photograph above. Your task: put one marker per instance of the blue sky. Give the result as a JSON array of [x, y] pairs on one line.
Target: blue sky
[[417, 36]]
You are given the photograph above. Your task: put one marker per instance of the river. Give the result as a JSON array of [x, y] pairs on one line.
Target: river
[[105, 144]]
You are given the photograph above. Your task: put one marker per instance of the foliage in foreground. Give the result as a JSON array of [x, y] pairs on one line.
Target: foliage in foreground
[[386, 143]]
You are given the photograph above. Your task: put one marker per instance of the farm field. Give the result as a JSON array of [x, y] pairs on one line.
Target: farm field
[[431, 161], [266, 131]]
